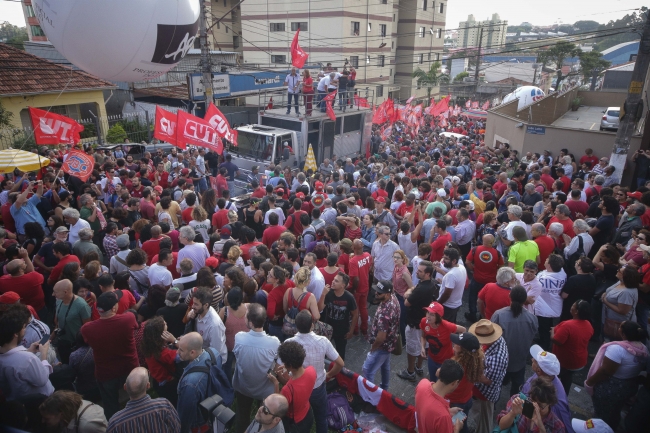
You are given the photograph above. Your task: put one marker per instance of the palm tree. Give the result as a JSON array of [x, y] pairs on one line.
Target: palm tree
[[430, 79]]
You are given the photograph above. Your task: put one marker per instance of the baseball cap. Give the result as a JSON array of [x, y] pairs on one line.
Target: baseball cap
[[107, 300], [547, 361], [635, 195], [466, 340], [441, 192], [9, 298], [122, 241], [593, 425], [318, 186], [185, 171], [61, 229], [455, 179], [346, 242], [211, 262], [158, 189], [300, 195], [225, 231], [471, 204], [175, 165], [279, 191], [435, 307], [383, 286], [380, 199]]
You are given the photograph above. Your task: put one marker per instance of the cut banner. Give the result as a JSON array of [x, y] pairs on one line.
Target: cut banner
[[219, 122], [52, 128], [194, 130], [165, 128]]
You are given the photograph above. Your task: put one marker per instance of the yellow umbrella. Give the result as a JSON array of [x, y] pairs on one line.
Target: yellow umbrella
[[10, 159], [310, 162]]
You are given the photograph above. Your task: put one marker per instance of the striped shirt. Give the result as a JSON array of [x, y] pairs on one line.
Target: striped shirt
[[145, 415]]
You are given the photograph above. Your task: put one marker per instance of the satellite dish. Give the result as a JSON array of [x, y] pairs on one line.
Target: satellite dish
[[121, 40]]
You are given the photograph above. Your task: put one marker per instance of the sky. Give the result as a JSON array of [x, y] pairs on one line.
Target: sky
[[539, 13]]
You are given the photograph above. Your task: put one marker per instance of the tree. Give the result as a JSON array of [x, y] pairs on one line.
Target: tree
[[432, 78], [13, 35], [557, 54], [586, 25], [591, 61], [460, 76], [116, 134], [633, 21], [5, 116]]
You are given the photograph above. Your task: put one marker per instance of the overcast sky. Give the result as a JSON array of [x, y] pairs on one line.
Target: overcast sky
[[539, 13]]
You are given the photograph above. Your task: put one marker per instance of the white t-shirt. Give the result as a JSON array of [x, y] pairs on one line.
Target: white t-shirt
[[455, 279], [533, 288], [511, 225], [415, 263], [102, 185], [409, 247], [160, 275], [549, 302], [630, 366], [278, 211], [202, 227]]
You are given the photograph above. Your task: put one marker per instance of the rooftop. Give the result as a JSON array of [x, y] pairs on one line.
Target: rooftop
[[584, 118], [23, 73]]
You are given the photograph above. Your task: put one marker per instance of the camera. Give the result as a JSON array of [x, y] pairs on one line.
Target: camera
[[213, 409]]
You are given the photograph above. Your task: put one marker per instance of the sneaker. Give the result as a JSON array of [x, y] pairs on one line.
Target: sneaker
[[419, 371], [404, 374]]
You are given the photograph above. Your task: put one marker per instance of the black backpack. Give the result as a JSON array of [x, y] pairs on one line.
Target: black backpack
[[218, 382], [595, 196]]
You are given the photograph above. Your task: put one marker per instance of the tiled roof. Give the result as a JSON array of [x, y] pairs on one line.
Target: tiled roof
[[23, 73]]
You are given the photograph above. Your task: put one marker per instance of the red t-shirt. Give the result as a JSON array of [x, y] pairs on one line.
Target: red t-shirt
[[293, 222], [7, 218], [152, 248], [272, 234], [566, 184], [344, 263], [297, 392], [438, 338], [487, 262], [452, 213], [548, 180], [113, 346], [274, 300], [220, 219], [379, 193], [546, 245], [438, 246], [56, 272], [328, 277], [403, 209], [137, 193], [148, 210], [431, 410], [27, 286], [567, 224], [259, 193], [574, 336], [127, 301], [245, 250], [187, 215], [164, 367], [577, 206], [360, 267], [593, 159], [164, 176], [494, 297], [463, 393]]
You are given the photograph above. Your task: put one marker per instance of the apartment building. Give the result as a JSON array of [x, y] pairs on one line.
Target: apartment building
[[34, 30], [492, 31]]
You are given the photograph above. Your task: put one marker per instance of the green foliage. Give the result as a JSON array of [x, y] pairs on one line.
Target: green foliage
[[116, 134], [556, 55], [586, 25], [633, 20], [430, 79], [135, 129], [90, 130], [590, 62], [13, 35], [5, 116], [460, 76]]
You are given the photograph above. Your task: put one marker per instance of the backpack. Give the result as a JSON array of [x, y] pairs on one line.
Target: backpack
[[467, 173], [339, 412], [289, 322], [595, 196], [218, 382]]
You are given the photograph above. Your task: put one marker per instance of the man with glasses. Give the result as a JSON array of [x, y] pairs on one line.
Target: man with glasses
[[269, 416]]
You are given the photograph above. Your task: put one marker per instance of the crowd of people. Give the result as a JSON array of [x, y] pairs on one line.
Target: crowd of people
[[132, 279]]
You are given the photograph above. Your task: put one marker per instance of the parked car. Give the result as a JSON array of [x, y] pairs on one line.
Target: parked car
[[610, 119]]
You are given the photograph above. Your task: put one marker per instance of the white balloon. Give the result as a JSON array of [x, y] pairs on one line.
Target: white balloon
[[527, 95], [121, 40]]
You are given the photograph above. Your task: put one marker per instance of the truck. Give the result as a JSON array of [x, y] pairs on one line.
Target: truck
[[262, 143]]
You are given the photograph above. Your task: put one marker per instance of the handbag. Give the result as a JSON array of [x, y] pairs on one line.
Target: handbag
[[512, 429], [397, 351], [323, 329]]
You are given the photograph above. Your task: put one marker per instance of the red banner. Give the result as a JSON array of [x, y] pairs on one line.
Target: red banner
[[468, 103], [165, 128], [194, 130], [475, 104], [78, 164], [219, 122], [486, 106], [441, 107], [52, 128], [298, 55], [361, 102], [328, 105]]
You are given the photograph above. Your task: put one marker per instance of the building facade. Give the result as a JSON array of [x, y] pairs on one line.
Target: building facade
[[492, 32]]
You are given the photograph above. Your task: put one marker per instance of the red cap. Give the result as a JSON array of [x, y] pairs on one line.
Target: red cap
[[300, 195], [636, 195], [435, 307], [9, 298], [380, 199], [318, 186], [185, 171], [158, 189], [212, 262], [280, 191]]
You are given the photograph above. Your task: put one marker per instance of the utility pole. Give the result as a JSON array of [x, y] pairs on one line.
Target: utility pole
[[633, 107], [206, 64], [478, 60]]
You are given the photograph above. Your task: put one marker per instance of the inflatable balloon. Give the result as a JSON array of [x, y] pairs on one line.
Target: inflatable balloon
[[527, 95], [121, 40]]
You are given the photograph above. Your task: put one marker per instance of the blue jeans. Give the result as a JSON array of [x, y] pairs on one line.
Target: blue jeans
[[295, 97], [318, 402], [374, 361], [231, 188], [403, 311], [321, 104], [433, 367], [276, 331], [343, 98], [474, 288]]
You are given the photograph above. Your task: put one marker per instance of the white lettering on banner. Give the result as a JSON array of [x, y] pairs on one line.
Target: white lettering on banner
[[200, 132], [52, 127], [167, 126], [219, 123]]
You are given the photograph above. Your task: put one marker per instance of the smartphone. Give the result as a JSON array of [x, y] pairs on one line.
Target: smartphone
[[44, 340], [528, 409], [460, 415], [273, 367]]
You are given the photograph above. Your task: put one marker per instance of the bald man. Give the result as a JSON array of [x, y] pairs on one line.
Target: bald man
[[484, 260], [23, 280], [193, 386], [143, 413], [71, 312], [269, 416]]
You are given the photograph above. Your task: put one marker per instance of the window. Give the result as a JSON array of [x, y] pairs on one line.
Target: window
[[382, 30], [303, 26], [439, 33], [442, 8], [429, 57], [356, 27], [225, 3], [437, 56], [226, 29], [233, 17], [277, 27], [384, 2], [393, 17], [37, 31], [424, 5], [354, 61], [30, 11], [197, 43], [235, 42], [422, 32], [380, 91], [420, 58], [390, 72], [369, 27], [381, 60], [392, 45], [278, 59]]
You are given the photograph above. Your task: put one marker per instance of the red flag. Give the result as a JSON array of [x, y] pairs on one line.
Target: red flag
[[486, 106], [361, 102], [269, 106], [408, 101], [52, 128], [328, 105], [468, 103], [194, 130], [442, 106], [220, 123], [298, 55], [78, 164], [165, 128], [391, 111]]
